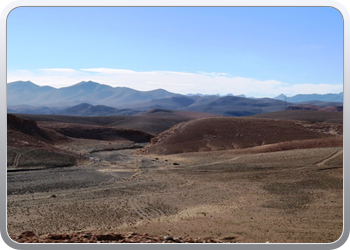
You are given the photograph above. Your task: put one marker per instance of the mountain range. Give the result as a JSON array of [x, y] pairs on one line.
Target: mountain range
[[311, 97], [94, 99], [28, 93]]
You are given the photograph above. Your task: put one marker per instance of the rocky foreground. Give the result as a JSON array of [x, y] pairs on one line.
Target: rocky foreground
[[84, 237]]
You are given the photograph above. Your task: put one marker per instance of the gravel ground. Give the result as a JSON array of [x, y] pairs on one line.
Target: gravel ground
[[50, 180], [290, 196], [82, 237]]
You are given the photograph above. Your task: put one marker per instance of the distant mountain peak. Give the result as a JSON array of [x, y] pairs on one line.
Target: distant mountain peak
[[22, 83], [84, 104], [280, 97], [244, 96], [159, 90], [88, 83]]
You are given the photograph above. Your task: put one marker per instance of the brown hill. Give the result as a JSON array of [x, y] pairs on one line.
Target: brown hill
[[152, 122], [167, 113], [32, 144], [333, 108], [29, 146], [98, 132], [212, 134], [16, 125], [148, 124], [304, 115], [316, 108]]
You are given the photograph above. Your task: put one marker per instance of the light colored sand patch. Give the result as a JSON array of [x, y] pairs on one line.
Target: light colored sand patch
[[110, 170]]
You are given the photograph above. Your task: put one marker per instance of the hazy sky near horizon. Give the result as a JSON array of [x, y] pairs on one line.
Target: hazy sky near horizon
[[256, 51]]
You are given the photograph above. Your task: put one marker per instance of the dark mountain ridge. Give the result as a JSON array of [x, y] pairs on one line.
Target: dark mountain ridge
[[85, 109], [236, 106]]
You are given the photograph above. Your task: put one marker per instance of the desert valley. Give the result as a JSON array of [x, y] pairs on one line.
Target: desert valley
[[215, 124], [176, 175], [180, 123]]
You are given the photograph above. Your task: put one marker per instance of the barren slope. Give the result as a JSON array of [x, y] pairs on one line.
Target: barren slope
[[167, 113], [29, 146], [52, 144], [211, 134], [304, 115], [98, 132], [152, 122]]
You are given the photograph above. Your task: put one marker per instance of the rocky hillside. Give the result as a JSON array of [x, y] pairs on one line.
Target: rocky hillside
[[212, 134]]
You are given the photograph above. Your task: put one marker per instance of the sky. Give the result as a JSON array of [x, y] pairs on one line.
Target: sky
[[256, 51]]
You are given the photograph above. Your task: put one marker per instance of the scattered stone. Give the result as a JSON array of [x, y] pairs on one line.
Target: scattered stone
[[168, 237], [109, 237], [59, 237], [26, 234], [82, 237]]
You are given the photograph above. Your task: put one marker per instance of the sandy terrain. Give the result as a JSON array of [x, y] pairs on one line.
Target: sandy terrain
[[288, 189], [287, 196]]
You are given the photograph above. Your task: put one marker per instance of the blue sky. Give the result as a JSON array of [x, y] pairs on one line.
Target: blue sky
[[257, 51]]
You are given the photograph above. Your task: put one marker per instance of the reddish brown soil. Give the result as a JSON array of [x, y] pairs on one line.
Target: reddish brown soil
[[32, 144], [97, 132], [83, 237], [151, 122], [19, 130], [316, 108], [290, 196], [166, 114], [256, 191], [212, 134], [304, 115]]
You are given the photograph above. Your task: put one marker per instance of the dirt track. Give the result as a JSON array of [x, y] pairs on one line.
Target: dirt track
[[286, 196]]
